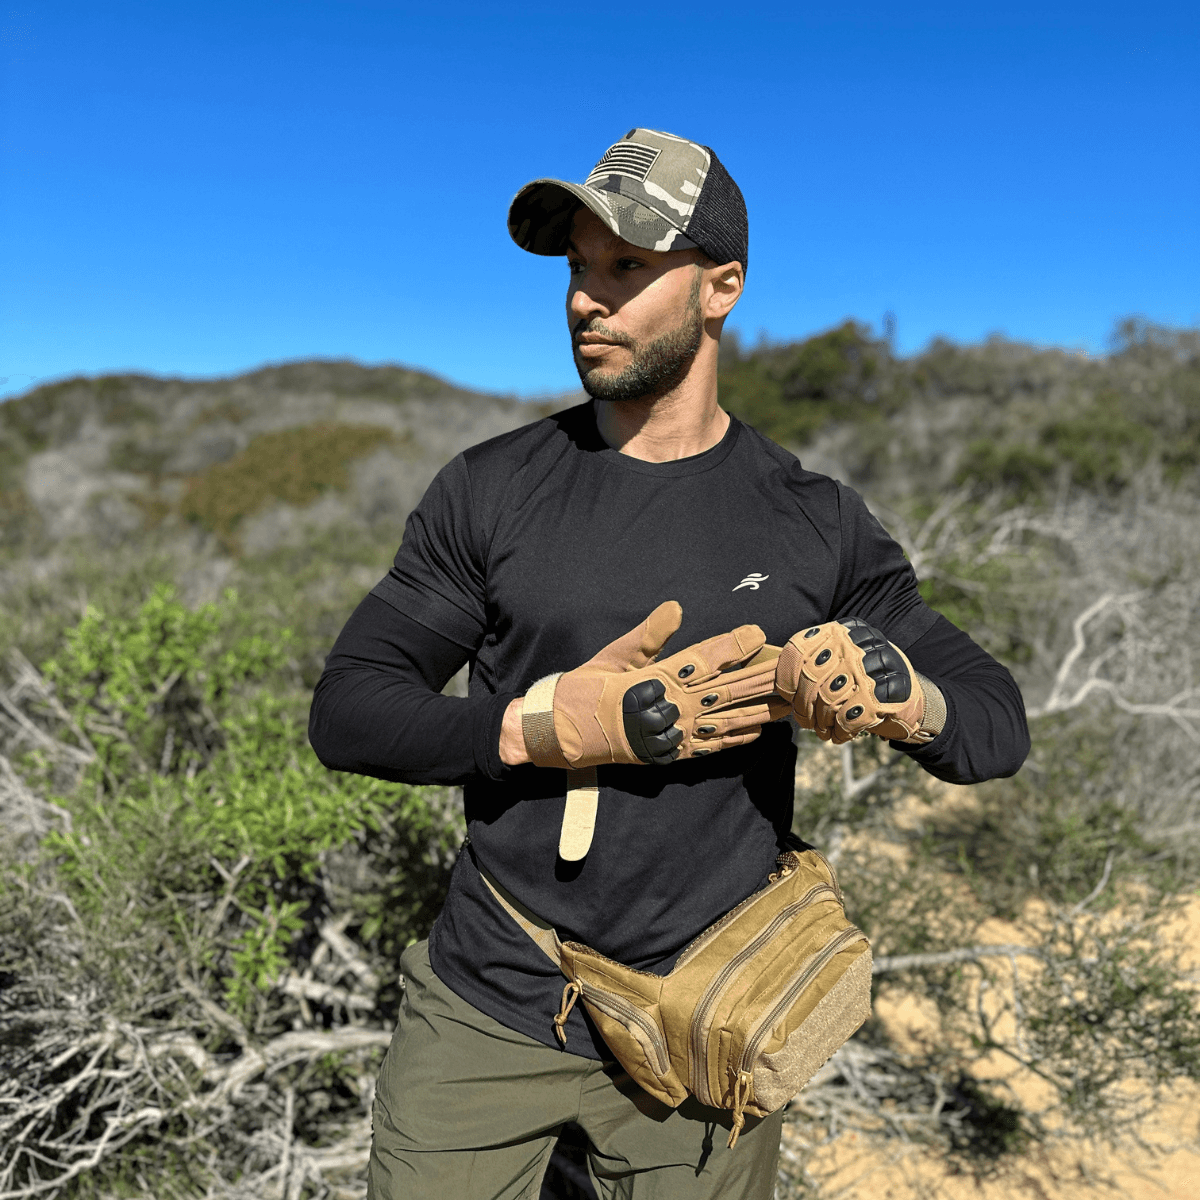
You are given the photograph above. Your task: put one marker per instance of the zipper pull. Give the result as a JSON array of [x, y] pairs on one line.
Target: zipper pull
[[741, 1097], [570, 994]]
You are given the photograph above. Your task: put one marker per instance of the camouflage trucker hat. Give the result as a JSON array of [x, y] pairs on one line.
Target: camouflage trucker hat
[[655, 190]]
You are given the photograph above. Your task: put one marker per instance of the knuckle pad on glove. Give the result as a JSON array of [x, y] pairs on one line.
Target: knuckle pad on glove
[[881, 661], [648, 718], [642, 695]]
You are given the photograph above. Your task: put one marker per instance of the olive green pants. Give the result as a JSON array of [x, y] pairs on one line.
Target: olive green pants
[[467, 1109]]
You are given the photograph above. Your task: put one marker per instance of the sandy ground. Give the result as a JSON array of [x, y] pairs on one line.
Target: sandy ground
[[857, 1167], [854, 1170]]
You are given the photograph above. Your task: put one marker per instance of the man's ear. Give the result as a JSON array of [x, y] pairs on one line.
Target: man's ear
[[725, 289]]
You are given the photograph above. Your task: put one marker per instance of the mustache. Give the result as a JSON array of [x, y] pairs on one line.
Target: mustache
[[595, 325]]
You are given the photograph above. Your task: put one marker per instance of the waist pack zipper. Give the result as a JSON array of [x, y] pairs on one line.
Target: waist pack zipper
[[786, 863], [743, 1085], [622, 1010], [816, 965], [696, 1050], [837, 887]]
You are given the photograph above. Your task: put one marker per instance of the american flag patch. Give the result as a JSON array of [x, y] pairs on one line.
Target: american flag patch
[[630, 159]]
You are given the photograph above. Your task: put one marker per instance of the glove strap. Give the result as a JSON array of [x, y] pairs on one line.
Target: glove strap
[[537, 724], [541, 744], [934, 720], [579, 816]]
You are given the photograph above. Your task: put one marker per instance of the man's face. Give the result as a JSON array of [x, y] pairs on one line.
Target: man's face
[[634, 314]]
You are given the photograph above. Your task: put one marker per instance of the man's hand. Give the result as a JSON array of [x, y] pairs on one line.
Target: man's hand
[[624, 707], [845, 678]]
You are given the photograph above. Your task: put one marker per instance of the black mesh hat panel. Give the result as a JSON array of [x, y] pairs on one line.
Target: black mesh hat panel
[[719, 226]]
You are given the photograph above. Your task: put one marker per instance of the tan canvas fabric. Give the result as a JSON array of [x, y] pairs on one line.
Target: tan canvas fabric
[[579, 815], [722, 691], [821, 671], [934, 720], [751, 1010]]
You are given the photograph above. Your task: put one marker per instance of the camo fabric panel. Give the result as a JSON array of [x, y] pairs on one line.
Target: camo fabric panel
[[661, 175], [644, 189]]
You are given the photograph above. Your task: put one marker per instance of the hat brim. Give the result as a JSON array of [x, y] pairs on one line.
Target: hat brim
[[539, 218]]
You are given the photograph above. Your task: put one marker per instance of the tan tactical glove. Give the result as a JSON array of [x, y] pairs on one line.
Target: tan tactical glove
[[845, 678], [623, 707]]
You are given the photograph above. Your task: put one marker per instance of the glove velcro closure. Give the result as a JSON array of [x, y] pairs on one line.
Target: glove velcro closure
[[537, 724], [934, 720]]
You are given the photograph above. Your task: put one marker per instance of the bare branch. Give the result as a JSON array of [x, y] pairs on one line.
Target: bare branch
[[855, 788], [1095, 892], [888, 964]]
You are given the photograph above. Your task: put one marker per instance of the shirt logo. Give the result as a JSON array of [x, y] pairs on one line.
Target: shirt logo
[[752, 581]]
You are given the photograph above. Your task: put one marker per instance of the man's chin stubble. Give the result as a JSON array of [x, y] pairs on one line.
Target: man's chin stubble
[[656, 369]]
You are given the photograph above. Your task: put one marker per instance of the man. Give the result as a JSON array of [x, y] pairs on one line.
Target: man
[[532, 553]]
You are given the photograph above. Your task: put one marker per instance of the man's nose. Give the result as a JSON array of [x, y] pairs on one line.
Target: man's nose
[[582, 304]]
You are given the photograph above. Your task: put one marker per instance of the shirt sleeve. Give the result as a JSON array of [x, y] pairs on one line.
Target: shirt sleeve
[[876, 583], [986, 735], [378, 708], [439, 574]]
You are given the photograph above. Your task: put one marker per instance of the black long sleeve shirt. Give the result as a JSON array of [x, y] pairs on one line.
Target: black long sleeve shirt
[[527, 555]]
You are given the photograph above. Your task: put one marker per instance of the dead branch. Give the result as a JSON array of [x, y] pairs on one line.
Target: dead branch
[[887, 964], [34, 1160], [1063, 697]]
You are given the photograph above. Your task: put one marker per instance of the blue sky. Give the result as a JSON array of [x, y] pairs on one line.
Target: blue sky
[[199, 188]]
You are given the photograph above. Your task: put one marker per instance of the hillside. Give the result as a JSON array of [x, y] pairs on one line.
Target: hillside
[[199, 925], [261, 458], [109, 457], [1023, 418]]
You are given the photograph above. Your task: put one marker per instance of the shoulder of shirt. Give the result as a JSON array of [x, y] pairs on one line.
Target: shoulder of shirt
[[513, 449], [795, 476]]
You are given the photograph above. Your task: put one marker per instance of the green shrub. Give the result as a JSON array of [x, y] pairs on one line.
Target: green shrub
[[211, 894], [203, 775], [791, 392], [294, 466]]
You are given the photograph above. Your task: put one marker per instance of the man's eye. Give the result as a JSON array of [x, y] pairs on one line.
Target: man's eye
[[629, 264], [574, 266]]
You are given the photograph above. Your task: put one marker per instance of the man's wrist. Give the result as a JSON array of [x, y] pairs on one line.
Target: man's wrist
[[933, 719], [933, 714], [512, 736]]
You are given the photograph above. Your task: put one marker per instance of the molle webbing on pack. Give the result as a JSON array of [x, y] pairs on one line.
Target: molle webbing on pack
[[751, 1010]]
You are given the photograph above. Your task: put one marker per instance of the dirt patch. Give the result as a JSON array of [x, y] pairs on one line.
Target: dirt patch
[[856, 1166]]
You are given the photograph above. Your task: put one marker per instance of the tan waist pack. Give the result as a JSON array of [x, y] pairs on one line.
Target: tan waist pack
[[751, 1010]]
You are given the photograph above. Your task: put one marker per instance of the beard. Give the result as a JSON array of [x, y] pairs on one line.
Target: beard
[[657, 367]]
